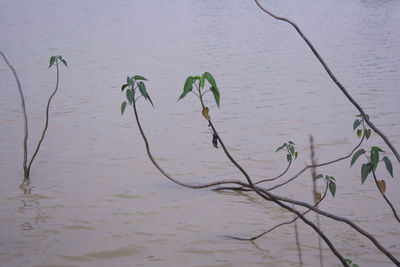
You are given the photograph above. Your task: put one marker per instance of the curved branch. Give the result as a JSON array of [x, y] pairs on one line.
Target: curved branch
[[280, 175], [47, 120], [21, 94], [334, 79]]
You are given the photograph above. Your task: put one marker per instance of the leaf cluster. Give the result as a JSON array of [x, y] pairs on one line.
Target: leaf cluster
[[290, 149], [54, 59], [200, 79], [132, 84], [373, 160], [330, 180], [360, 122]]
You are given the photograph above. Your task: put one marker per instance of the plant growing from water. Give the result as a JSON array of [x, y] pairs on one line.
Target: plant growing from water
[[27, 167]]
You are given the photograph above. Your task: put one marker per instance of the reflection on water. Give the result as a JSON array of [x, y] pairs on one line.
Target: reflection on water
[[98, 200]]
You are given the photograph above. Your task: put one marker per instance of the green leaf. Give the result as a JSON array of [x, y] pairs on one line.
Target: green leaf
[[289, 157], [367, 133], [63, 61], [356, 124], [52, 60], [355, 265], [139, 78], [142, 89], [291, 148], [365, 170], [130, 95], [319, 176], [296, 155], [332, 188], [375, 148], [202, 81], [123, 87], [359, 133], [356, 156], [214, 88], [374, 158], [123, 105], [348, 260], [187, 87], [388, 165], [290, 142], [279, 148]]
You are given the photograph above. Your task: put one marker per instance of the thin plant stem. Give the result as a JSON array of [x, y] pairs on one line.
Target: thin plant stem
[[296, 234], [334, 79], [21, 94], [46, 122]]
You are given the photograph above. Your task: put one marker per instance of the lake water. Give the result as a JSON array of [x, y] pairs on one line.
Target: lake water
[[96, 199]]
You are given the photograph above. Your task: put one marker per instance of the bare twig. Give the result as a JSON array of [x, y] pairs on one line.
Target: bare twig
[[334, 79], [21, 94], [313, 176], [296, 234]]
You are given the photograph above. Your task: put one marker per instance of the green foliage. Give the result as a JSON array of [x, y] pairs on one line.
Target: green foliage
[[199, 82], [350, 262], [290, 149], [54, 59], [360, 122], [132, 84], [331, 182]]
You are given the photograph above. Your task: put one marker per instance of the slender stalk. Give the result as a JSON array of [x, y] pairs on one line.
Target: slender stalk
[[296, 234], [21, 94], [47, 120], [313, 175], [334, 79]]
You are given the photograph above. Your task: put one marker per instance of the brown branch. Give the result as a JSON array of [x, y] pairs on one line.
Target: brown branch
[[21, 94], [280, 175], [296, 234], [386, 199], [47, 121], [334, 79]]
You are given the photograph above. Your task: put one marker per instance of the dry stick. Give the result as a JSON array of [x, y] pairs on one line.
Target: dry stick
[[313, 176], [26, 173], [334, 79], [250, 185], [334, 217], [386, 199], [46, 123], [296, 233]]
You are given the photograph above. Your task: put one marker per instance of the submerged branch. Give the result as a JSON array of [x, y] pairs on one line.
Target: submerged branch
[[21, 94]]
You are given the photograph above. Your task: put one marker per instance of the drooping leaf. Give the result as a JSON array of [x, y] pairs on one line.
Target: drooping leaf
[[290, 142], [332, 188], [318, 197], [359, 133], [123, 105], [365, 169], [388, 165], [52, 60], [289, 157], [143, 91], [296, 154], [375, 148], [367, 133], [374, 158], [331, 178], [382, 186], [123, 87], [214, 88], [202, 81], [348, 260], [319, 176], [279, 148], [63, 61], [205, 113], [130, 94], [356, 124], [356, 156], [187, 87], [291, 149], [139, 78], [128, 80]]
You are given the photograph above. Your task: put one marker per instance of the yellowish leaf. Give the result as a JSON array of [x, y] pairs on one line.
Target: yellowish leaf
[[382, 186], [318, 197], [205, 113]]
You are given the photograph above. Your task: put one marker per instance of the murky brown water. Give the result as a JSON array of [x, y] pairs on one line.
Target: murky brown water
[[96, 198]]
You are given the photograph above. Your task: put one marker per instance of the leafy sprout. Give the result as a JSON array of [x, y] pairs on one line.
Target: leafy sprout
[[132, 84]]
